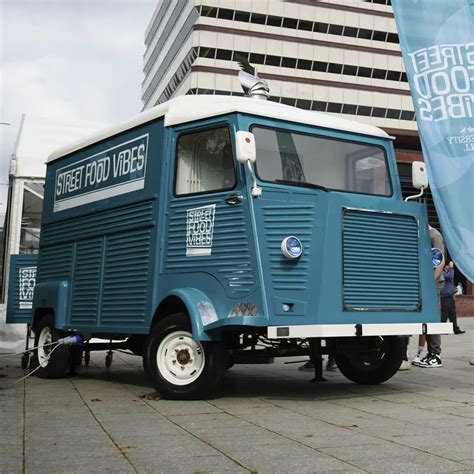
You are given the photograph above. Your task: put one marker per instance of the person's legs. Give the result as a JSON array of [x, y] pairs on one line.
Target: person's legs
[[421, 345], [434, 343], [444, 309], [433, 358], [453, 317]]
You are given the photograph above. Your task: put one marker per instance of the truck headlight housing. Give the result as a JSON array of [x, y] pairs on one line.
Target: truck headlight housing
[[437, 257], [291, 247]]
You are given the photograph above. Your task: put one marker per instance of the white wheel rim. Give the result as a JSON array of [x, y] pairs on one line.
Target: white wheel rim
[[180, 359], [45, 337]]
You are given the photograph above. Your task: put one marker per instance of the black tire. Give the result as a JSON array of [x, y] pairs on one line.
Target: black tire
[[175, 331], [378, 360], [58, 362]]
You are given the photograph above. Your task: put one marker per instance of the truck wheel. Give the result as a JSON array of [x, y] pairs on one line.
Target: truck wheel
[[53, 360], [180, 367], [374, 363]]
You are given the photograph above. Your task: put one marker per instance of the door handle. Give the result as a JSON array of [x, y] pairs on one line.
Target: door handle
[[233, 200]]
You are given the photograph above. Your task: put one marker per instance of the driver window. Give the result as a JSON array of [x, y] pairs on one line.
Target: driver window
[[204, 162]]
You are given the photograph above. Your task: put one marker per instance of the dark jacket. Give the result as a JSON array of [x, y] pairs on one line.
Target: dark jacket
[[449, 289]]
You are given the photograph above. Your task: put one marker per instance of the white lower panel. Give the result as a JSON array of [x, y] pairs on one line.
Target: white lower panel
[[350, 330]]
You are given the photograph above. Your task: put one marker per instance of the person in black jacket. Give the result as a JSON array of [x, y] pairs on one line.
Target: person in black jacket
[[448, 305]]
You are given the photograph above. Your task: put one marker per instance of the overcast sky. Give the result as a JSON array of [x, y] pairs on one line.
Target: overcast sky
[[71, 61]]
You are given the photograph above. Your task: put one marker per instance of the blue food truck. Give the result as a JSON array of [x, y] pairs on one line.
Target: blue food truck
[[213, 230]]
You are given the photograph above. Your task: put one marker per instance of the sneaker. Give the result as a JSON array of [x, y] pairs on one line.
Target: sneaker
[[430, 361], [331, 365], [405, 365], [307, 366], [417, 359]]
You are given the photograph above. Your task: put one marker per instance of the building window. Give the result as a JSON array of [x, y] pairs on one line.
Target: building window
[[305, 25], [225, 14], [224, 54], [207, 52], [242, 16], [335, 68], [304, 64], [336, 30], [274, 21], [272, 60], [258, 19], [290, 23], [320, 66], [209, 11], [288, 62], [334, 108], [349, 109], [393, 114], [350, 31], [257, 58]]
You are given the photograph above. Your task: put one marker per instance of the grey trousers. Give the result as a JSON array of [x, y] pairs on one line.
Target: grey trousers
[[434, 343]]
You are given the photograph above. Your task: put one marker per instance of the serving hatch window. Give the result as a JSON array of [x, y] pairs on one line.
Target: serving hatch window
[[301, 159]]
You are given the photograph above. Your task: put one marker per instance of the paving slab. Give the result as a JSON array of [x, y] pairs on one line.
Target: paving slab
[[269, 418]]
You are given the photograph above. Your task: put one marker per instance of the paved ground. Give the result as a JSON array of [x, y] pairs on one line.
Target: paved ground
[[269, 419]]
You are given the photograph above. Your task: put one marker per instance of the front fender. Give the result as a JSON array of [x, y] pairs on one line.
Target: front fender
[[201, 312]]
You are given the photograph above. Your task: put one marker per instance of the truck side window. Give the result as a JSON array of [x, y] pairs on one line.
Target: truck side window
[[204, 162]]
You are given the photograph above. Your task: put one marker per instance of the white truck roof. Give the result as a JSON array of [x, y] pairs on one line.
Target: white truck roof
[[189, 108]]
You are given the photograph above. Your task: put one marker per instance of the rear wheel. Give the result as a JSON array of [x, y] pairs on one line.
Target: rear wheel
[[53, 360], [374, 360], [179, 366]]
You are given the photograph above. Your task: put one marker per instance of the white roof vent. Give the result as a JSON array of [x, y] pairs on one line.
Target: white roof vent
[[252, 85]]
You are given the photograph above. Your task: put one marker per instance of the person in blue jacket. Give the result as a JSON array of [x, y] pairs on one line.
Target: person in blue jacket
[[448, 305]]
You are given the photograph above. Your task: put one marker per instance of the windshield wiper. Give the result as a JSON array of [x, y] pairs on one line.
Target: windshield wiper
[[303, 184]]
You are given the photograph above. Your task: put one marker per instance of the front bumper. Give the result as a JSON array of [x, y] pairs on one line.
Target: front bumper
[[358, 330]]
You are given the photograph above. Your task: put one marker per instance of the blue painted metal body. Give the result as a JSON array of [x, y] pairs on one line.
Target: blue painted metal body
[[106, 265]]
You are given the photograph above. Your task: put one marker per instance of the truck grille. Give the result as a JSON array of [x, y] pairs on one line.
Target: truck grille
[[380, 262]]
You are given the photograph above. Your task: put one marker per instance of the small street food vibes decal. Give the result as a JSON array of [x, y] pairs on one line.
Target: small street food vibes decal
[[27, 279], [200, 230]]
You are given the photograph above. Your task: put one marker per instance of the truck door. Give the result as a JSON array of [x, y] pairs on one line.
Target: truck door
[[208, 231]]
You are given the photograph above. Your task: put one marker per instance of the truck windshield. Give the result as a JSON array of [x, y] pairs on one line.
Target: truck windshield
[[297, 159]]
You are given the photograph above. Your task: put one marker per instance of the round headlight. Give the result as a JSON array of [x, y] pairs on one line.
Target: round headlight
[[291, 247]]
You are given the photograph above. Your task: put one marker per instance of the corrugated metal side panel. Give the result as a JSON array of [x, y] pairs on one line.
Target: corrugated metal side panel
[[106, 262], [381, 261], [100, 223], [230, 259], [85, 288], [126, 278], [280, 222], [55, 263]]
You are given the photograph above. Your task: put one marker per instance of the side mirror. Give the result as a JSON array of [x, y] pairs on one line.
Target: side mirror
[[245, 148], [419, 175], [246, 153]]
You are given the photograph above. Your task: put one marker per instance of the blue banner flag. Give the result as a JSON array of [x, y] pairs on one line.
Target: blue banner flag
[[437, 42]]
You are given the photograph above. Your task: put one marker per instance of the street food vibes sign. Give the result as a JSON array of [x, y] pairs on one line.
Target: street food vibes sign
[[437, 43], [117, 170]]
